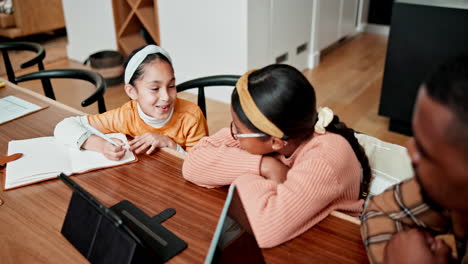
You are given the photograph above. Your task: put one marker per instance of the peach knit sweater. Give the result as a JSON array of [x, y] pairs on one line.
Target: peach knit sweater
[[324, 175]]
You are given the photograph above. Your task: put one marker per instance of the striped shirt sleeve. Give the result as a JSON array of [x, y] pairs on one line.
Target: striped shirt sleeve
[[401, 207]]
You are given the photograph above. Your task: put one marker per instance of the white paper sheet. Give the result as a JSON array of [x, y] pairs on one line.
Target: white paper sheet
[[12, 107]]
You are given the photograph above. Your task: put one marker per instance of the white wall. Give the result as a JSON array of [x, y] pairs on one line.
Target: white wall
[[259, 34], [90, 27], [218, 47], [210, 37]]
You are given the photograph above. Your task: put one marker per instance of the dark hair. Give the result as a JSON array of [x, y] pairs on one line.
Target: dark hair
[[139, 71], [338, 127], [448, 85], [287, 99]]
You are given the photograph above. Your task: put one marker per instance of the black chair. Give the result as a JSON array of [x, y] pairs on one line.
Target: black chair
[[80, 74], [201, 83], [38, 59]]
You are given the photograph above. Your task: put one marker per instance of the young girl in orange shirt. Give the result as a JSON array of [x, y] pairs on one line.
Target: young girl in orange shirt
[[155, 117]]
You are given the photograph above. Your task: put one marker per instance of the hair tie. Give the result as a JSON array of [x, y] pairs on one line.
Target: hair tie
[[325, 116], [138, 58], [255, 116]]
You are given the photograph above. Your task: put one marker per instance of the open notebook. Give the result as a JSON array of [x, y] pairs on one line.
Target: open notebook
[[44, 158]]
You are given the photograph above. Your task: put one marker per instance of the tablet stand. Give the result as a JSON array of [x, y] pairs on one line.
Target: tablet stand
[[137, 239]]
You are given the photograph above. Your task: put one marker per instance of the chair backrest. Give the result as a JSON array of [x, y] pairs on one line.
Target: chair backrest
[[80, 74], [390, 163], [38, 59], [201, 83]]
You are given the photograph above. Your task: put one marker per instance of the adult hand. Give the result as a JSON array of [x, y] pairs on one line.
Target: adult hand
[[149, 142], [416, 246], [273, 169]]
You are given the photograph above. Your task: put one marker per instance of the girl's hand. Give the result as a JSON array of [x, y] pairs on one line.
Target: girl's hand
[[149, 142], [112, 152], [273, 169]]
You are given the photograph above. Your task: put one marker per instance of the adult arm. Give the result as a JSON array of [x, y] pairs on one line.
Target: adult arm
[[395, 210]]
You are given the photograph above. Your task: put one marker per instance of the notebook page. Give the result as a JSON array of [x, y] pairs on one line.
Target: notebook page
[[12, 107], [42, 159], [84, 160]]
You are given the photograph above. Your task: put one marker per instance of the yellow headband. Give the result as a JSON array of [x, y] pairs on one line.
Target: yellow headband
[[251, 110]]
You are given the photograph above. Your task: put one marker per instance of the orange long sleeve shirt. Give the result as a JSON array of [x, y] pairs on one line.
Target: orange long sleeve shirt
[[324, 175], [186, 127]]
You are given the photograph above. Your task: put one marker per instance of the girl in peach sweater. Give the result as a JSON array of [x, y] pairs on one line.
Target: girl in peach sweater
[[291, 164]]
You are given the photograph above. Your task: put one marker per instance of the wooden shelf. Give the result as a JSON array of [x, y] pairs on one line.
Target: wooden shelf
[[148, 19], [132, 2], [121, 13], [129, 42], [7, 21], [32, 17], [131, 17]]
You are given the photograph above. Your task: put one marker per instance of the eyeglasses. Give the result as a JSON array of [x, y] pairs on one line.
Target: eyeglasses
[[237, 136]]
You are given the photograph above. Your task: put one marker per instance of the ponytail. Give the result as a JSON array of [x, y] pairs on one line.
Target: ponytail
[[338, 127]]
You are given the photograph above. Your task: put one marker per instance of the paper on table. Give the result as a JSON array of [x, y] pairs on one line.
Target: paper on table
[[82, 161], [12, 107], [44, 158]]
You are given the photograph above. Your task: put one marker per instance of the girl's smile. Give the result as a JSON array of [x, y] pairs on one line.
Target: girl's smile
[[155, 91]]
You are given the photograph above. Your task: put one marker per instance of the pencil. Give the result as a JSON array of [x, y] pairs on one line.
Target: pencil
[[98, 133]]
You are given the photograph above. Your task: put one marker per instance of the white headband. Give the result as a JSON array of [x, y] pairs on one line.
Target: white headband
[[138, 58], [325, 116]]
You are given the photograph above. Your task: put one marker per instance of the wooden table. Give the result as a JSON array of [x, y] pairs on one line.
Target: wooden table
[[32, 216]]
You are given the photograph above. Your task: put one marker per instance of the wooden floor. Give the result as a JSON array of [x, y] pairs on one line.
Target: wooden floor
[[348, 80]]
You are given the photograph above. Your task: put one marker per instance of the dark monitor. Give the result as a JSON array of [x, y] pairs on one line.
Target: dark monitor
[[234, 241]]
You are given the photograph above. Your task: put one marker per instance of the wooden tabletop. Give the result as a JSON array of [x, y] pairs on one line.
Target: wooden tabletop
[[32, 216]]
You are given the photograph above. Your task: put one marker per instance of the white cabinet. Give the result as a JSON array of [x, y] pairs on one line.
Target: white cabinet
[[327, 19], [331, 21], [87, 35], [290, 32], [349, 16], [210, 37], [225, 36]]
